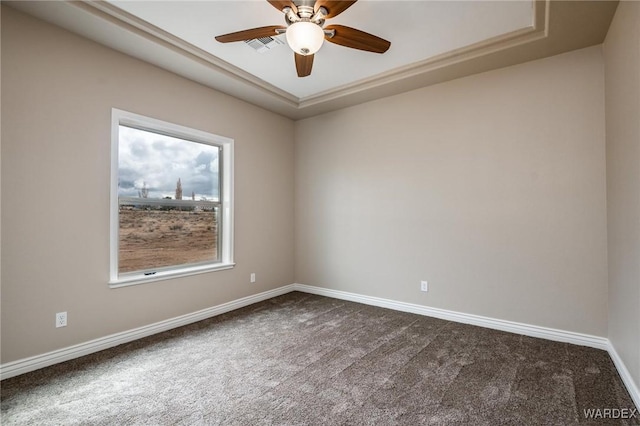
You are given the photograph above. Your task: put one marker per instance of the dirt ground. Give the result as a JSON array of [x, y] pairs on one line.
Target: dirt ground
[[152, 238]]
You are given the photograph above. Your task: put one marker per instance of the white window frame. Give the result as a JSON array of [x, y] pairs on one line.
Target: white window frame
[[120, 117]]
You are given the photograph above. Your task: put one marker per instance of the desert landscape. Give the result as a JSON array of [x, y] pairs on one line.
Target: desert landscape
[[156, 238]]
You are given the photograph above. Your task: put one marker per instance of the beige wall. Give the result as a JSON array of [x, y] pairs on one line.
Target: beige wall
[[622, 84], [491, 187], [57, 93]]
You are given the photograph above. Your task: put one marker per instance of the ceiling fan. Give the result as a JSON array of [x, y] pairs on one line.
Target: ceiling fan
[[305, 30]]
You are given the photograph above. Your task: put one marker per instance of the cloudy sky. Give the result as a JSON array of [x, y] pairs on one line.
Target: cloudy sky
[[160, 161]]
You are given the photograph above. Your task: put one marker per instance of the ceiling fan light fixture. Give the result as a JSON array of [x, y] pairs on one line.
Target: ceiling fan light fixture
[[305, 38]]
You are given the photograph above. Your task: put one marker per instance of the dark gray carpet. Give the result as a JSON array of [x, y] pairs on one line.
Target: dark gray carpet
[[301, 359]]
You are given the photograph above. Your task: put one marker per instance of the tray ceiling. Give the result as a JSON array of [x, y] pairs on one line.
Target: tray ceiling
[[418, 30], [431, 42]]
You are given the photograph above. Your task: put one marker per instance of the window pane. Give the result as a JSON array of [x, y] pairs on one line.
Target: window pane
[[153, 163], [168, 191], [156, 237]]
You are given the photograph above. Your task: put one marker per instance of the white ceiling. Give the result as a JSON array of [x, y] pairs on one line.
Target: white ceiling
[[417, 31], [431, 42]]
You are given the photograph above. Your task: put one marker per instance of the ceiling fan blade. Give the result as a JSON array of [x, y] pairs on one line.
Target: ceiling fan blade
[[303, 64], [356, 39], [281, 4], [334, 7], [269, 31]]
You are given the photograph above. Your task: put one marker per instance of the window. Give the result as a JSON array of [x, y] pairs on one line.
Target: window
[[171, 200]]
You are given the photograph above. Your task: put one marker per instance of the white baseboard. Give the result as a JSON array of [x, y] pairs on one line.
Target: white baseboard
[[33, 363], [26, 365], [496, 324], [628, 381]]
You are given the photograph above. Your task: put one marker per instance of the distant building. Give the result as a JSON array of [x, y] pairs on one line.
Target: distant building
[[179, 190]]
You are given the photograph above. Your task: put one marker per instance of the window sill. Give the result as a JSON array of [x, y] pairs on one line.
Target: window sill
[[166, 275]]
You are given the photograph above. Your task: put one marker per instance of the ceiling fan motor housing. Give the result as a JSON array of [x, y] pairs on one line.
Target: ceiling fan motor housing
[[305, 13]]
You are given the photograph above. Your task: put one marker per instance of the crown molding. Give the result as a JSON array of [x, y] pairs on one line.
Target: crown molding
[[557, 27], [131, 23], [536, 31], [127, 21]]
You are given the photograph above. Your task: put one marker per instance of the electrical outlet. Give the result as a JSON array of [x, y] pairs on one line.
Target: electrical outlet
[[61, 319], [424, 286], [253, 277]]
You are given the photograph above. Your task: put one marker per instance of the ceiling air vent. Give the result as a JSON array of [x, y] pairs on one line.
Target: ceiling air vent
[[264, 44]]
